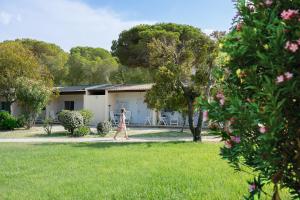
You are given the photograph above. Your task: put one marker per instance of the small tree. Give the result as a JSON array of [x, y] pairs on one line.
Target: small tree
[[70, 120], [181, 50], [256, 105], [15, 61], [33, 97]]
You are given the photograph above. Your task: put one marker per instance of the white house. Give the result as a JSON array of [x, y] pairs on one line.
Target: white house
[[106, 101]]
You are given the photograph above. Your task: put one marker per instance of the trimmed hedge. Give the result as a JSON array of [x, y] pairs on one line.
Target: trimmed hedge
[[104, 128], [70, 120]]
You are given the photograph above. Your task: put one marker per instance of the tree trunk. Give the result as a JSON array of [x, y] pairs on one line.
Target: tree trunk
[[184, 121], [276, 193], [196, 131]]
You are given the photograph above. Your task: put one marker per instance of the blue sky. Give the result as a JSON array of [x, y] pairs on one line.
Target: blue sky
[[96, 23], [206, 14]]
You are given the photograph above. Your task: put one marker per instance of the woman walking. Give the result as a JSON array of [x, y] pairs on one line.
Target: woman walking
[[122, 124]]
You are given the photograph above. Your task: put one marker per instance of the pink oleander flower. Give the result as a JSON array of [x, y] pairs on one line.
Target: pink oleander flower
[[268, 2], [220, 95], [222, 102], [239, 26], [232, 120], [252, 187], [298, 41], [293, 47], [289, 14], [280, 79], [251, 7], [205, 115], [228, 144], [235, 139], [262, 128], [288, 75]]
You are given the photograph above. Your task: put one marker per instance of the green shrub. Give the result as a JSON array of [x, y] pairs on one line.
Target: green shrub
[[47, 124], [21, 120], [7, 121], [104, 128], [87, 116], [255, 105], [81, 131], [70, 120]]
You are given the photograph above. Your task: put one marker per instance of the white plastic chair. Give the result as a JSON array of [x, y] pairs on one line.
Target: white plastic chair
[[112, 118], [162, 120], [174, 120], [148, 120]]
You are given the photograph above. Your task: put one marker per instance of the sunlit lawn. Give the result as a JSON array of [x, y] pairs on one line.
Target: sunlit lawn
[[117, 171]]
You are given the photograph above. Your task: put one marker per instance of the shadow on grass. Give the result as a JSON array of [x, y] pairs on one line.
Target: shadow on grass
[[162, 134], [56, 134], [105, 145]]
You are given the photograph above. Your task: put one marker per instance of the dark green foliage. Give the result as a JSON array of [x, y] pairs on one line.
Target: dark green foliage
[[87, 116], [89, 65], [21, 121], [7, 121], [256, 109], [104, 128], [81, 131], [70, 120]]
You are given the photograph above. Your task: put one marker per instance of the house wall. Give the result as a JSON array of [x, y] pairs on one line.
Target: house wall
[[132, 101], [15, 107], [58, 104], [97, 105]]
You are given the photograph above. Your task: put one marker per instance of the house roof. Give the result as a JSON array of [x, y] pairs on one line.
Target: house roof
[[141, 87], [71, 88], [109, 87]]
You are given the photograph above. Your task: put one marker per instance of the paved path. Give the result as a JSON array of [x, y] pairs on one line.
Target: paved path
[[76, 140]]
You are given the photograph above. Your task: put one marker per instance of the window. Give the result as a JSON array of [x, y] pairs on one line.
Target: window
[[69, 105], [4, 106]]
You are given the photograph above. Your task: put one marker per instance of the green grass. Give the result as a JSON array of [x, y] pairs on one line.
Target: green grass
[[117, 171], [132, 133]]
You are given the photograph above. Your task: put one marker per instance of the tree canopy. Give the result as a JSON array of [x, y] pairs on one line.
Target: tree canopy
[[181, 51], [49, 55], [89, 65], [17, 61]]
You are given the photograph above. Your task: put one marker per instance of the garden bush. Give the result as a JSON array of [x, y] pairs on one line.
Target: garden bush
[[256, 105], [21, 121], [48, 124], [81, 131], [7, 121], [70, 120], [87, 116], [104, 128]]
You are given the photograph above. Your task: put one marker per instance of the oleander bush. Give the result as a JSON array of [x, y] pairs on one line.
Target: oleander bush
[[256, 101], [104, 128], [70, 120]]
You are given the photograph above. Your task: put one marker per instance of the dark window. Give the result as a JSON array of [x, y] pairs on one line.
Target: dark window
[[4, 106], [69, 105]]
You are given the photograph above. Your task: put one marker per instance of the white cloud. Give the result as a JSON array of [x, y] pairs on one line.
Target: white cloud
[[5, 18], [64, 22], [208, 31]]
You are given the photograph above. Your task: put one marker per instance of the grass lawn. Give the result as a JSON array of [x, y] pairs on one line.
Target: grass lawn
[[117, 171], [137, 133]]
